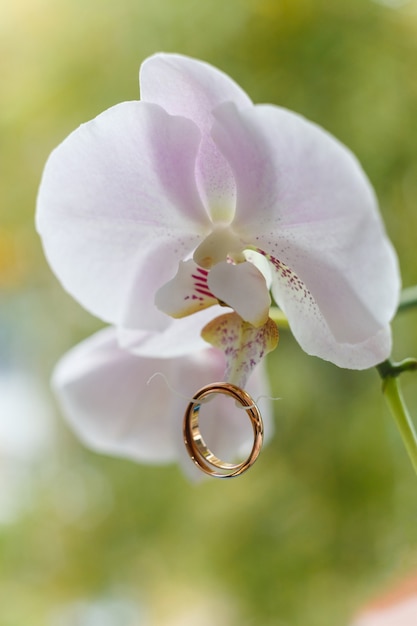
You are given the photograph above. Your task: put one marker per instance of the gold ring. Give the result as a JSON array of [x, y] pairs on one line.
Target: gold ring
[[200, 454]]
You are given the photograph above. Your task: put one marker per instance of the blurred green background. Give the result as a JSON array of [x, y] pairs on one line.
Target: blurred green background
[[328, 516]]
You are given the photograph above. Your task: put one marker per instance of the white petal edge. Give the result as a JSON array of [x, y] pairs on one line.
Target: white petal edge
[[188, 87]]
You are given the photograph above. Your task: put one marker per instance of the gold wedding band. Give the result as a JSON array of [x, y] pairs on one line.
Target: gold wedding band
[[200, 454]]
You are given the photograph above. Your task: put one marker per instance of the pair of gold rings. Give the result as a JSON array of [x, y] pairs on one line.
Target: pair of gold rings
[[196, 447]]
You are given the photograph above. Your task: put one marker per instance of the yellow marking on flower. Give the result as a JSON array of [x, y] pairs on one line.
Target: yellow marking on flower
[[243, 345]]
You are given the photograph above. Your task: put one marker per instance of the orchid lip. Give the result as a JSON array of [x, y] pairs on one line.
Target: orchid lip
[[200, 282]]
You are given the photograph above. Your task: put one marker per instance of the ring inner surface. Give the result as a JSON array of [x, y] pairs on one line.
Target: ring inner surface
[[197, 448], [201, 445]]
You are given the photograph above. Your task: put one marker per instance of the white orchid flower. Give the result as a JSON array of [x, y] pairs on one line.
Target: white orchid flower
[[148, 212], [159, 213]]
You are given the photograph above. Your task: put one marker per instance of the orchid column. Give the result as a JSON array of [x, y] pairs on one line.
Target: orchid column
[[174, 219]]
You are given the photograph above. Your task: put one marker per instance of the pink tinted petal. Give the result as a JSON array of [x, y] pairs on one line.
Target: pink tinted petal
[[243, 288], [182, 336], [188, 292], [243, 345], [188, 87], [192, 88], [289, 171], [104, 394], [117, 197], [328, 336]]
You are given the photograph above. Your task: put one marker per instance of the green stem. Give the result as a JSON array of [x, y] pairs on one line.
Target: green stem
[[394, 398], [408, 298], [389, 372], [278, 316]]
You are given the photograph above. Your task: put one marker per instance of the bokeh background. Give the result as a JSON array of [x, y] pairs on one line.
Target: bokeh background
[[328, 516]]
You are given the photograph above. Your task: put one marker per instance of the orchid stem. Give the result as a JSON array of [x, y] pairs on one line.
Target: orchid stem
[[389, 373], [408, 298], [278, 316]]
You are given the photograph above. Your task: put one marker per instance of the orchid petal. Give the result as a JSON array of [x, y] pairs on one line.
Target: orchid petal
[[316, 214], [312, 330], [243, 345], [188, 87], [103, 394], [192, 88], [289, 171], [243, 288], [188, 292], [109, 400], [118, 198], [181, 337], [354, 308]]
